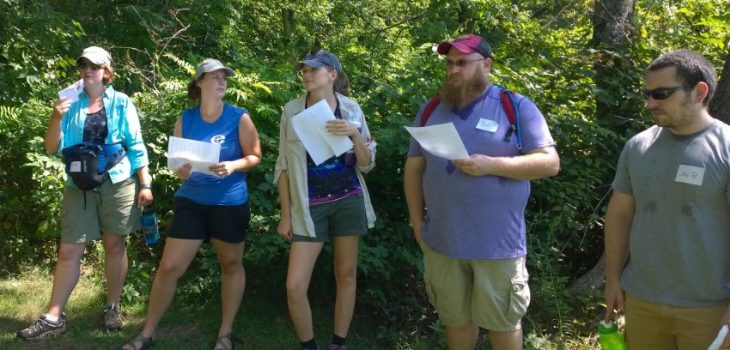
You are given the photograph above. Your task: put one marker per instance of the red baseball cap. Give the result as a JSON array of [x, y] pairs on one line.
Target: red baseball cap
[[466, 44]]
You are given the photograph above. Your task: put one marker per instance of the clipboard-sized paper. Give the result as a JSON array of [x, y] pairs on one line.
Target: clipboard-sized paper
[[310, 127], [72, 91], [441, 140], [201, 155]]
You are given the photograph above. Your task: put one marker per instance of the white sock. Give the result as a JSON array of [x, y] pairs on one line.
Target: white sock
[[51, 318]]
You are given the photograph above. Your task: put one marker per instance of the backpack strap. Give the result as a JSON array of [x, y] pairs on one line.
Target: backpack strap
[[509, 105], [511, 109], [430, 107]]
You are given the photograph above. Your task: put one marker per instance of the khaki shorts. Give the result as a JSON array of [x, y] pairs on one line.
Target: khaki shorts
[[660, 326], [110, 208], [491, 293]]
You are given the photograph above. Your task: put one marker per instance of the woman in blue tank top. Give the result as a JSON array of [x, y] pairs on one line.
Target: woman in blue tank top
[[325, 202], [209, 206]]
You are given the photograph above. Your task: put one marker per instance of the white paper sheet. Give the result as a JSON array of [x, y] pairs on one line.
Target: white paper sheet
[[310, 127], [201, 155], [72, 92], [441, 140]]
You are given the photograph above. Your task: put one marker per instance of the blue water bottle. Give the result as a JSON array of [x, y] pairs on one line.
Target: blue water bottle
[[150, 226], [609, 337]]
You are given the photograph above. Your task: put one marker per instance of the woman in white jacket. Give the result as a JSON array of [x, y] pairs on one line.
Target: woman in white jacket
[[325, 202]]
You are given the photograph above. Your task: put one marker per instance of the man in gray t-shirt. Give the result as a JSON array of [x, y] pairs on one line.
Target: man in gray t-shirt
[[668, 221]]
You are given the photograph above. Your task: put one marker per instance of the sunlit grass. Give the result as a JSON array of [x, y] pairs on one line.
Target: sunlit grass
[[191, 322]]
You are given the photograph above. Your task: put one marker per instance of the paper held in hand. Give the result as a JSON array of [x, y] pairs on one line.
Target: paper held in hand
[[201, 155], [72, 92], [310, 127], [441, 140]]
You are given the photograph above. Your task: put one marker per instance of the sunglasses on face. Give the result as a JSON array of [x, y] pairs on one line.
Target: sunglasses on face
[[662, 93], [85, 64]]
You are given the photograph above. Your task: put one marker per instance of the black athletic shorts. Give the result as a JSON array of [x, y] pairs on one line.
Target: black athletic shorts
[[227, 223]]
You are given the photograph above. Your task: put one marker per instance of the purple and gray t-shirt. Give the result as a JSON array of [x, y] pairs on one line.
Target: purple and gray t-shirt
[[482, 217]]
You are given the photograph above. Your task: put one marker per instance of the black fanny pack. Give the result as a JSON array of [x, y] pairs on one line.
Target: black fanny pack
[[88, 163]]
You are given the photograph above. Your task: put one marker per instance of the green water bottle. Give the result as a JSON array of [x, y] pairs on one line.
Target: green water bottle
[[609, 336]]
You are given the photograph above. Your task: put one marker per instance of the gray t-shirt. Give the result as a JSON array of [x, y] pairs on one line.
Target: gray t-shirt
[[680, 236]]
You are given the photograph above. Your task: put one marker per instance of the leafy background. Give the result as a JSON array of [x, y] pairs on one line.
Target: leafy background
[[542, 48]]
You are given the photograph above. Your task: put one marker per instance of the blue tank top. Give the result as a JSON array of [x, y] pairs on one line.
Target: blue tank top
[[208, 189]]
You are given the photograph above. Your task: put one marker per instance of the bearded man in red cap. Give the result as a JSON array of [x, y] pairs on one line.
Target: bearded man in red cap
[[468, 214]]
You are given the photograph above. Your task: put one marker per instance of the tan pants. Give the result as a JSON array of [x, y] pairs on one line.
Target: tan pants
[[654, 326]]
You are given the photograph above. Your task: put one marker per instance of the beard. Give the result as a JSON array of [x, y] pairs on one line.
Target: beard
[[677, 117], [459, 93]]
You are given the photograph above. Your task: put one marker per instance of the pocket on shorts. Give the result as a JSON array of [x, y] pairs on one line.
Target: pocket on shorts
[[430, 293], [519, 298]]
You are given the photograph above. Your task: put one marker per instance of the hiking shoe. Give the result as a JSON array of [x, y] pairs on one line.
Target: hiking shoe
[[41, 328], [113, 317], [336, 347]]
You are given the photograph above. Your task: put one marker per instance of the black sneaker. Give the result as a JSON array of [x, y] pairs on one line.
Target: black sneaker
[[113, 317], [42, 328]]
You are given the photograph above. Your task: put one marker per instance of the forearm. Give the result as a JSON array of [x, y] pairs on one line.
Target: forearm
[[619, 217], [284, 197], [526, 167], [413, 188], [143, 174], [246, 163], [52, 139], [617, 250], [362, 152]]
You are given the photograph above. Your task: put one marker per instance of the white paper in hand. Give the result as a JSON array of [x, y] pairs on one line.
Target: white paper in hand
[[201, 155], [441, 140], [72, 92], [310, 127], [719, 339]]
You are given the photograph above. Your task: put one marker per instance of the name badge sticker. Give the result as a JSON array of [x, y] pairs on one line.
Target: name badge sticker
[[487, 125], [75, 167], [690, 175]]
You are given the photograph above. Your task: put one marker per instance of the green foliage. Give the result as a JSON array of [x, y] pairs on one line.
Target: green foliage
[[542, 50]]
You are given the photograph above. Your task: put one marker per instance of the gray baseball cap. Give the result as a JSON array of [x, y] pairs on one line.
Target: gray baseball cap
[[96, 55], [212, 65], [319, 59]]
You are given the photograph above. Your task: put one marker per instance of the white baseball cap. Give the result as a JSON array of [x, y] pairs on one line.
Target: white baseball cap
[[96, 55]]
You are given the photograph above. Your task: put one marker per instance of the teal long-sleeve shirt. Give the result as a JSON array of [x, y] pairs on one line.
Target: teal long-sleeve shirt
[[123, 125]]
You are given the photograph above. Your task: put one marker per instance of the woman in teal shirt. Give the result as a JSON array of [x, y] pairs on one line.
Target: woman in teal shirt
[[101, 116]]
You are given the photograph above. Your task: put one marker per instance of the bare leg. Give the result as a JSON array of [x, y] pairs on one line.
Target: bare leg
[[66, 275], [462, 337], [115, 267], [230, 258], [302, 257], [346, 278], [506, 340], [175, 261]]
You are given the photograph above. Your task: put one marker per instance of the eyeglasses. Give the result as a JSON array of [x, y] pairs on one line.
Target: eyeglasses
[[662, 93], [461, 63], [85, 64]]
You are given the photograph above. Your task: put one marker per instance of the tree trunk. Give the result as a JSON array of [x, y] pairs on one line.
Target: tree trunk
[[720, 104], [288, 26], [613, 33], [593, 279]]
